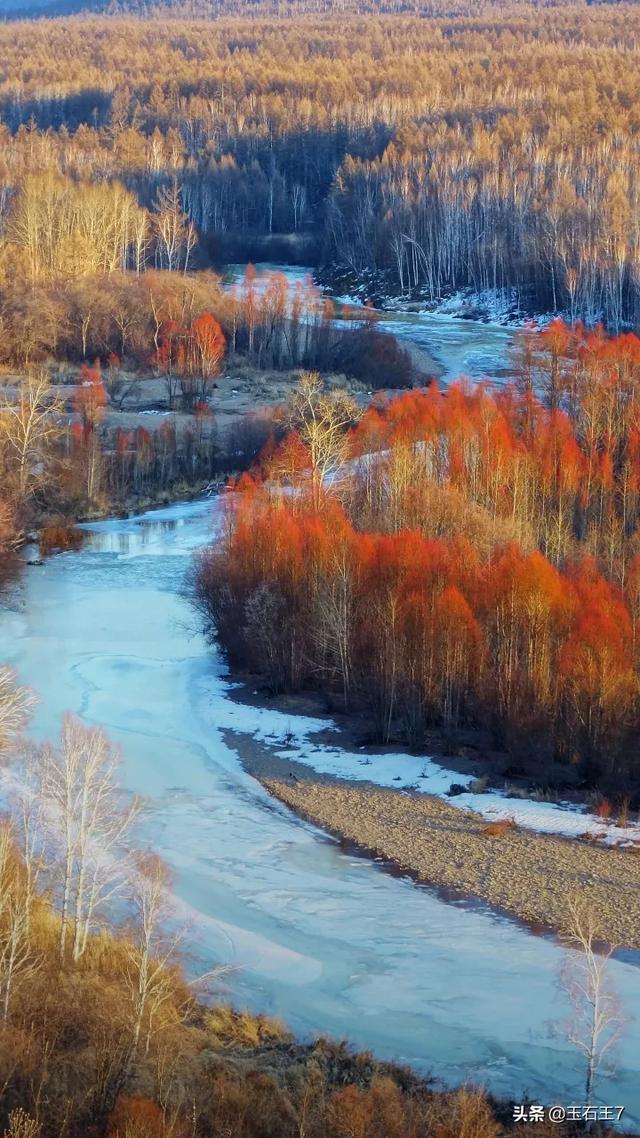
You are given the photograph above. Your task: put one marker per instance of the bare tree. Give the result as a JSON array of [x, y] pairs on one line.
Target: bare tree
[[30, 819], [322, 419], [159, 1000], [597, 1020], [89, 820], [175, 234], [15, 705], [151, 950], [29, 425], [18, 962], [140, 231]]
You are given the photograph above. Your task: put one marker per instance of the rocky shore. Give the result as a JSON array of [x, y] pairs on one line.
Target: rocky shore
[[527, 875]]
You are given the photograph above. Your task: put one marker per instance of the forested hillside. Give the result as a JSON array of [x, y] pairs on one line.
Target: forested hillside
[[423, 154]]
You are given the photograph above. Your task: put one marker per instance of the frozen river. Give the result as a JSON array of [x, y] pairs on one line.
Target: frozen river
[[471, 348], [468, 348], [329, 941]]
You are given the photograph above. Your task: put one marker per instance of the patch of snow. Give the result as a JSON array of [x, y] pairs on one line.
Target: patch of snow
[[499, 306], [348, 300], [413, 772]]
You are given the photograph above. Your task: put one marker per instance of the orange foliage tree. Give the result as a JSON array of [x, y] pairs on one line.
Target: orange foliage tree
[[473, 559]]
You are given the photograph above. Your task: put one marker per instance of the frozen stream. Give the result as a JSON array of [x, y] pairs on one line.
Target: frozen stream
[[471, 348], [330, 942]]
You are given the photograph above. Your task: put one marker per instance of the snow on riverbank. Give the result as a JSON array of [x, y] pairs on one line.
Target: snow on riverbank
[[455, 344], [292, 737], [493, 306], [500, 306], [496, 306]]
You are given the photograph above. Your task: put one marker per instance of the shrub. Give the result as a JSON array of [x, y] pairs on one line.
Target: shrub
[[455, 789], [232, 1028], [137, 1117], [21, 1125], [374, 358], [499, 828], [623, 812], [465, 1113], [59, 538]]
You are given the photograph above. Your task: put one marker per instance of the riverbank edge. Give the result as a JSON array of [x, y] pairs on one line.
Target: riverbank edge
[[132, 508], [135, 507], [529, 877], [508, 307]]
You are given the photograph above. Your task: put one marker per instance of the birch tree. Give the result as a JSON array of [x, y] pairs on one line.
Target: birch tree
[[159, 999], [29, 427], [150, 950], [90, 821], [15, 705], [322, 419], [597, 1021], [18, 961], [175, 234], [30, 821]]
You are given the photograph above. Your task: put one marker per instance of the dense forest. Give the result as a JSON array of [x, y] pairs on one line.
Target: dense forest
[[281, 9], [419, 154], [459, 559]]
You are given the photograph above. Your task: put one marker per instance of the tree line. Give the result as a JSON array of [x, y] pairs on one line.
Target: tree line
[[467, 559], [436, 153]]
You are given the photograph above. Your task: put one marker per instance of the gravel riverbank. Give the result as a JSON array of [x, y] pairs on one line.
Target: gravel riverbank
[[530, 876]]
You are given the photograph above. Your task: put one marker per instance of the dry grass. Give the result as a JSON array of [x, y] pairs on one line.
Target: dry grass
[[233, 1029], [60, 537], [623, 812]]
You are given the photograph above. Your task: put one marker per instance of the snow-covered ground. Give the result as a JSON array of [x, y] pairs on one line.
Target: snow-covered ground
[[415, 773], [489, 305], [507, 306], [497, 306]]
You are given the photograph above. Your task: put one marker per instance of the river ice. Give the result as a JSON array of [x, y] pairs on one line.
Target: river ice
[[463, 348], [327, 940]]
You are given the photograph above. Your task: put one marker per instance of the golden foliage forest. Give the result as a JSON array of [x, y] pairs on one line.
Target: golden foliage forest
[[492, 150]]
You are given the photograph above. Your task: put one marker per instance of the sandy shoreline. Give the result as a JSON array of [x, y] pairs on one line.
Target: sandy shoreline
[[529, 876]]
